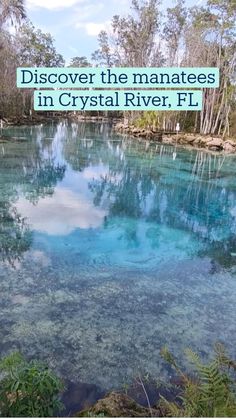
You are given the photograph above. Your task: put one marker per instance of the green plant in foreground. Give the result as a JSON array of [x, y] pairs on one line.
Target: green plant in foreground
[[210, 392], [28, 389]]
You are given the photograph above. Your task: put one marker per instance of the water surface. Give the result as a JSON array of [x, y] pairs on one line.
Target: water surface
[[111, 248]]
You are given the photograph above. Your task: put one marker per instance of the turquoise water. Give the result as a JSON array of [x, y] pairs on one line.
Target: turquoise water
[[111, 248]]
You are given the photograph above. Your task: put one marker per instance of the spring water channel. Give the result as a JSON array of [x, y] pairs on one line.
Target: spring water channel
[[110, 248]]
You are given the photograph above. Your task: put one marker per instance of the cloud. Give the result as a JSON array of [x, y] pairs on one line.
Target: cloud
[[99, 172], [52, 4], [93, 28], [84, 12], [61, 213], [86, 18], [95, 172]]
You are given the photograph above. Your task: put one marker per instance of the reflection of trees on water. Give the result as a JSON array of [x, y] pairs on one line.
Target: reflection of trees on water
[[83, 144], [15, 236], [26, 168], [126, 182], [43, 181], [194, 191]]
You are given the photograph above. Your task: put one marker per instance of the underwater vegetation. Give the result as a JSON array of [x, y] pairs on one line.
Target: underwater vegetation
[[112, 248]]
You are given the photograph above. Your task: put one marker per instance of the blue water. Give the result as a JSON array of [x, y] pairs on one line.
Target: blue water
[[111, 248]]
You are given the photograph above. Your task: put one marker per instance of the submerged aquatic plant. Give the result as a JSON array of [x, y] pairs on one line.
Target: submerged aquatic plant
[[210, 392], [28, 389]]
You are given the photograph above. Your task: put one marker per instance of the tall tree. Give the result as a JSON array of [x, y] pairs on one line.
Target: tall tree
[[173, 30], [36, 48], [104, 55], [210, 40], [27, 46], [132, 40], [12, 10], [79, 62]]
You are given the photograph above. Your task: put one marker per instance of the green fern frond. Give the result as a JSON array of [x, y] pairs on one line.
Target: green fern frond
[[167, 356], [223, 358], [210, 393], [171, 409], [192, 357]]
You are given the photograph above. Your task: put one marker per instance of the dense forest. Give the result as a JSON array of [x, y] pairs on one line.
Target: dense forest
[[144, 36]]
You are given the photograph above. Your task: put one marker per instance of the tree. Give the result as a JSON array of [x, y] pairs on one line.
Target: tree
[[79, 62], [27, 47], [36, 48], [210, 41], [12, 10], [104, 55], [173, 29], [132, 40]]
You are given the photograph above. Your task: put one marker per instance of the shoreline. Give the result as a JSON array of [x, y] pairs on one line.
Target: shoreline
[[191, 141], [38, 119], [207, 143], [80, 399]]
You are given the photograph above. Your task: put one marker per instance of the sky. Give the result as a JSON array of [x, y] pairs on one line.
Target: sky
[[75, 24]]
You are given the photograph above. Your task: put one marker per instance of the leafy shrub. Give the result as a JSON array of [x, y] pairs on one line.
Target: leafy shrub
[[210, 392], [28, 389], [149, 119]]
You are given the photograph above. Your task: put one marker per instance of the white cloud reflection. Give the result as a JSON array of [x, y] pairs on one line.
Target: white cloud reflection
[[61, 213]]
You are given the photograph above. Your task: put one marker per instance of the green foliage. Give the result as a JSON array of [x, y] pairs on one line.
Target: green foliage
[[12, 11], [92, 415], [133, 38], [36, 48], [149, 119], [173, 28], [28, 389], [15, 236], [210, 392], [79, 62]]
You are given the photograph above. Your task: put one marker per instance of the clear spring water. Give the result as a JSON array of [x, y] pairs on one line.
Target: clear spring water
[[111, 248]]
